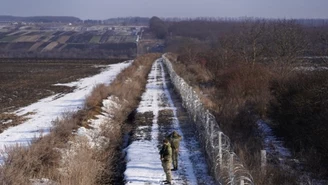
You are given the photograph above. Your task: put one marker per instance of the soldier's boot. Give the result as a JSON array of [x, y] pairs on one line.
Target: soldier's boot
[[175, 161], [175, 165], [167, 167]]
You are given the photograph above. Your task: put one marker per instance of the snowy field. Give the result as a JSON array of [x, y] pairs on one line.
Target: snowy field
[[48, 109], [143, 160]]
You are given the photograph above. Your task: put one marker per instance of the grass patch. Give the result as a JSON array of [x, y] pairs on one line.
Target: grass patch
[[9, 38], [9, 120], [95, 39]]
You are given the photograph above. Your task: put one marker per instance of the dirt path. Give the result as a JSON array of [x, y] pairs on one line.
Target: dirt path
[[159, 113]]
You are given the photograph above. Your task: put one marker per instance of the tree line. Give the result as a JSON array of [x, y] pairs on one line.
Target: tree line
[[46, 19]]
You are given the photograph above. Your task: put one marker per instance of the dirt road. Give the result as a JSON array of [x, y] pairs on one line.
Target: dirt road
[[159, 113]]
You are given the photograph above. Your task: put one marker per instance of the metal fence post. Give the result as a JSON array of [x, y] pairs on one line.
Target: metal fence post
[[208, 125], [220, 149], [231, 171], [242, 181], [212, 125], [263, 161]]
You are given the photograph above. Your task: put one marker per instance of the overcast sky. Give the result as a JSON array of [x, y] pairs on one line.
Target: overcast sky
[[103, 9]]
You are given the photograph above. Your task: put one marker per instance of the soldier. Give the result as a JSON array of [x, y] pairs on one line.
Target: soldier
[[175, 139], [166, 158]]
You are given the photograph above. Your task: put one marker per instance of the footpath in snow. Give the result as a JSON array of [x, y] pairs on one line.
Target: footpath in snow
[[159, 113], [48, 109]]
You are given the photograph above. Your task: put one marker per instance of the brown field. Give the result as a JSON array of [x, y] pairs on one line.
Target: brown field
[[50, 46], [41, 43], [63, 39], [32, 38], [46, 38], [14, 33], [35, 46], [24, 81]]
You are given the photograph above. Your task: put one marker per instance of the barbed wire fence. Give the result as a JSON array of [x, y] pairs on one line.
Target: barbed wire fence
[[224, 164]]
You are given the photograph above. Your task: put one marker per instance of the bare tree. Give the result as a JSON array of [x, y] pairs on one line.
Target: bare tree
[[288, 41], [250, 39]]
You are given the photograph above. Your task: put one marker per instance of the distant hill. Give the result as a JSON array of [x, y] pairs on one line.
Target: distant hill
[[64, 19], [128, 21]]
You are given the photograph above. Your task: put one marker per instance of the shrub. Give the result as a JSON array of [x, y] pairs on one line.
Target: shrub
[[299, 112], [239, 94]]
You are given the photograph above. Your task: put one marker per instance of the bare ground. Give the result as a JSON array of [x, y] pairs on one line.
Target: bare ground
[[25, 81]]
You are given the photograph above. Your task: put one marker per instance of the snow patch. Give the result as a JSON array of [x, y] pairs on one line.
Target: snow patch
[[93, 134], [7, 122], [271, 144], [42, 181], [310, 68], [71, 84], [48, 109], [144, 165], [90, 138]]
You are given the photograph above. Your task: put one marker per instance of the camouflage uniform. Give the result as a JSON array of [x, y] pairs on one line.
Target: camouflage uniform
[[175, 139], [166, 158]]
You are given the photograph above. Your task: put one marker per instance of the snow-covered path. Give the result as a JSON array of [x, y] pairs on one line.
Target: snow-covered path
[[48, 109], [143, 160]]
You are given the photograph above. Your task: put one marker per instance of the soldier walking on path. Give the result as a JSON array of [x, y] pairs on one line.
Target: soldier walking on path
[[166, 158], [175, 139]]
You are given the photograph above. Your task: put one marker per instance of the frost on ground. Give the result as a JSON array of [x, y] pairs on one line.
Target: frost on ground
[[275, 149], [93, 134], [48, 109], [42, 181], [143, 160], [75, 155], [272, 145]]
